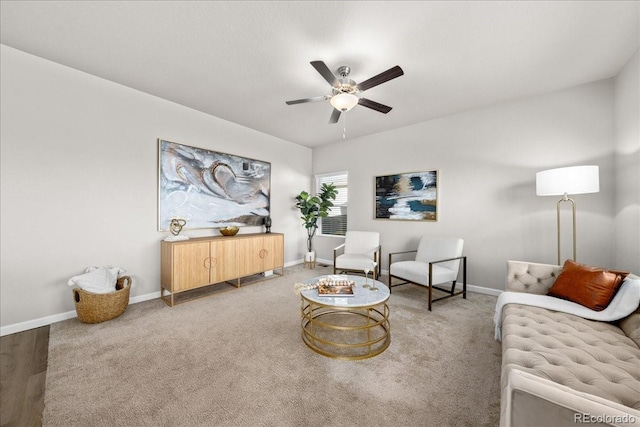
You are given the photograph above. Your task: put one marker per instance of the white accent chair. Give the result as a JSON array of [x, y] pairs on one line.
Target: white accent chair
[[437, 261], [358, 252]]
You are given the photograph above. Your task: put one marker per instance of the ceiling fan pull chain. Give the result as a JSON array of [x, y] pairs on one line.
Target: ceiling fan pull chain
[[344, 127]]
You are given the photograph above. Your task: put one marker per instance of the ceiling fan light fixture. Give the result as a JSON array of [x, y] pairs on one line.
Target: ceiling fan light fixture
[[344, 101]]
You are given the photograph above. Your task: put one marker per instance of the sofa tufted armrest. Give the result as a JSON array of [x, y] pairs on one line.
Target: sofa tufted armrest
[[531, 277], [530, 400]]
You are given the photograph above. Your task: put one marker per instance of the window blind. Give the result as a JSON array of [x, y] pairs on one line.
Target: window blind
[[336, 223]]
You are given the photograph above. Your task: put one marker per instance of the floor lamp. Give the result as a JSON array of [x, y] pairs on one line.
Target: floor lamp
[[565, 181]]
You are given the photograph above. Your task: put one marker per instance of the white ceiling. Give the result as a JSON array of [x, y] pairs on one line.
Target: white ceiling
[[241, 61]]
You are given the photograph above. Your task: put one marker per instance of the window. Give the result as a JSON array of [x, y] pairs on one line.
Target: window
[[336, 223]]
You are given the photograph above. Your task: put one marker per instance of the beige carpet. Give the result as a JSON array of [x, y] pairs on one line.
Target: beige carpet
[[237, 359]]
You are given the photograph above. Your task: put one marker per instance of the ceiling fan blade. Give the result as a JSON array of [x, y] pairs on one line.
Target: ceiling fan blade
[[374, 105], [335, 116], [303, 100], [385, 76], [325, 72]]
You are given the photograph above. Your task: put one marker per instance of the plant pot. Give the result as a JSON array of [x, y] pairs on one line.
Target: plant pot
[[310, 259]]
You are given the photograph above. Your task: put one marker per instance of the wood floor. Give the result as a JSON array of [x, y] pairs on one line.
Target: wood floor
[[23, 369]]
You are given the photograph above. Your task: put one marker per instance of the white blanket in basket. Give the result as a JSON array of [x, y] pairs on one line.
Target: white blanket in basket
[[99, 280]]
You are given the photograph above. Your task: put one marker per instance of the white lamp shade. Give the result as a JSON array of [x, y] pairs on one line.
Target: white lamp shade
[[571, 180], [344, 101]]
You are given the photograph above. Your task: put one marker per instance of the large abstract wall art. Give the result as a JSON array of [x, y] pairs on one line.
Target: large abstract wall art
[[210, 189], [407, 196]]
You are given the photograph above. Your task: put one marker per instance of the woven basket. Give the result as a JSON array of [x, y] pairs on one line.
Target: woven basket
[[96, 308]]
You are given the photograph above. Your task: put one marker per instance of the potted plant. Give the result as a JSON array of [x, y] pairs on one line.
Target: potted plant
[[313, 208]]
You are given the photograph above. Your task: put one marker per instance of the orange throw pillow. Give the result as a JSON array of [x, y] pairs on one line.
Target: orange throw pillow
[[592, 287]]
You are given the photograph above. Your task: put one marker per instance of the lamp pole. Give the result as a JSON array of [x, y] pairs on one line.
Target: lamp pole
[[573, 215]]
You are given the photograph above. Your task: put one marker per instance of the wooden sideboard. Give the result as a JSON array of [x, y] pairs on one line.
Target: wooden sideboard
[[202, 261]]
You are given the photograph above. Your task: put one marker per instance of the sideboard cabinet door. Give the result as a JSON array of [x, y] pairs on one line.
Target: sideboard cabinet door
[[224, 264], [250, 261], [190, 266], [273, 254]]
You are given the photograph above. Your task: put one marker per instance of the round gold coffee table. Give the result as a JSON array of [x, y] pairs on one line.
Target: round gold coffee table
[[347, 327]]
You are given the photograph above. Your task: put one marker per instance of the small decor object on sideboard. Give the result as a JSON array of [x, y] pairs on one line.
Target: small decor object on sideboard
[[229, 231], [267, 224], [175, 226]]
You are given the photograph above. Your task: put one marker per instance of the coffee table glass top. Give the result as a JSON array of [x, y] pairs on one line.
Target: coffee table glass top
[[362, 297]]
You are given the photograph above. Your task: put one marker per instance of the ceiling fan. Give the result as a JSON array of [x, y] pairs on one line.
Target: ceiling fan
[[345, 93]]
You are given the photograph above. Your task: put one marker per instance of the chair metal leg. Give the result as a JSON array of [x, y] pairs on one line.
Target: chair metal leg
[[430, 284], [389, 274], [464, 278]]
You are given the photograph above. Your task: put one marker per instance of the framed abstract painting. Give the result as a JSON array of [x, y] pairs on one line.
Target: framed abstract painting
[[209, 189], [409, 196]]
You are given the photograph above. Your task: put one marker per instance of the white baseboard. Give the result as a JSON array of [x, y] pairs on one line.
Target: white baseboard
[[36, 323], [48, 320], [483, 290], [328, 262], [292, 263]]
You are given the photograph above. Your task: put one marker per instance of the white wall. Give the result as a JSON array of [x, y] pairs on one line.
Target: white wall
[[79, 180], [627, 166], [487, 160]]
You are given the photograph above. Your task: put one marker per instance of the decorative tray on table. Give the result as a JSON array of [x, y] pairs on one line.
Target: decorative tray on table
[[335, 286]]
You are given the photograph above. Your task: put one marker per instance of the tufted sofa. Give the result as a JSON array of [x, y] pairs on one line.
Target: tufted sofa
[[562, 370]]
